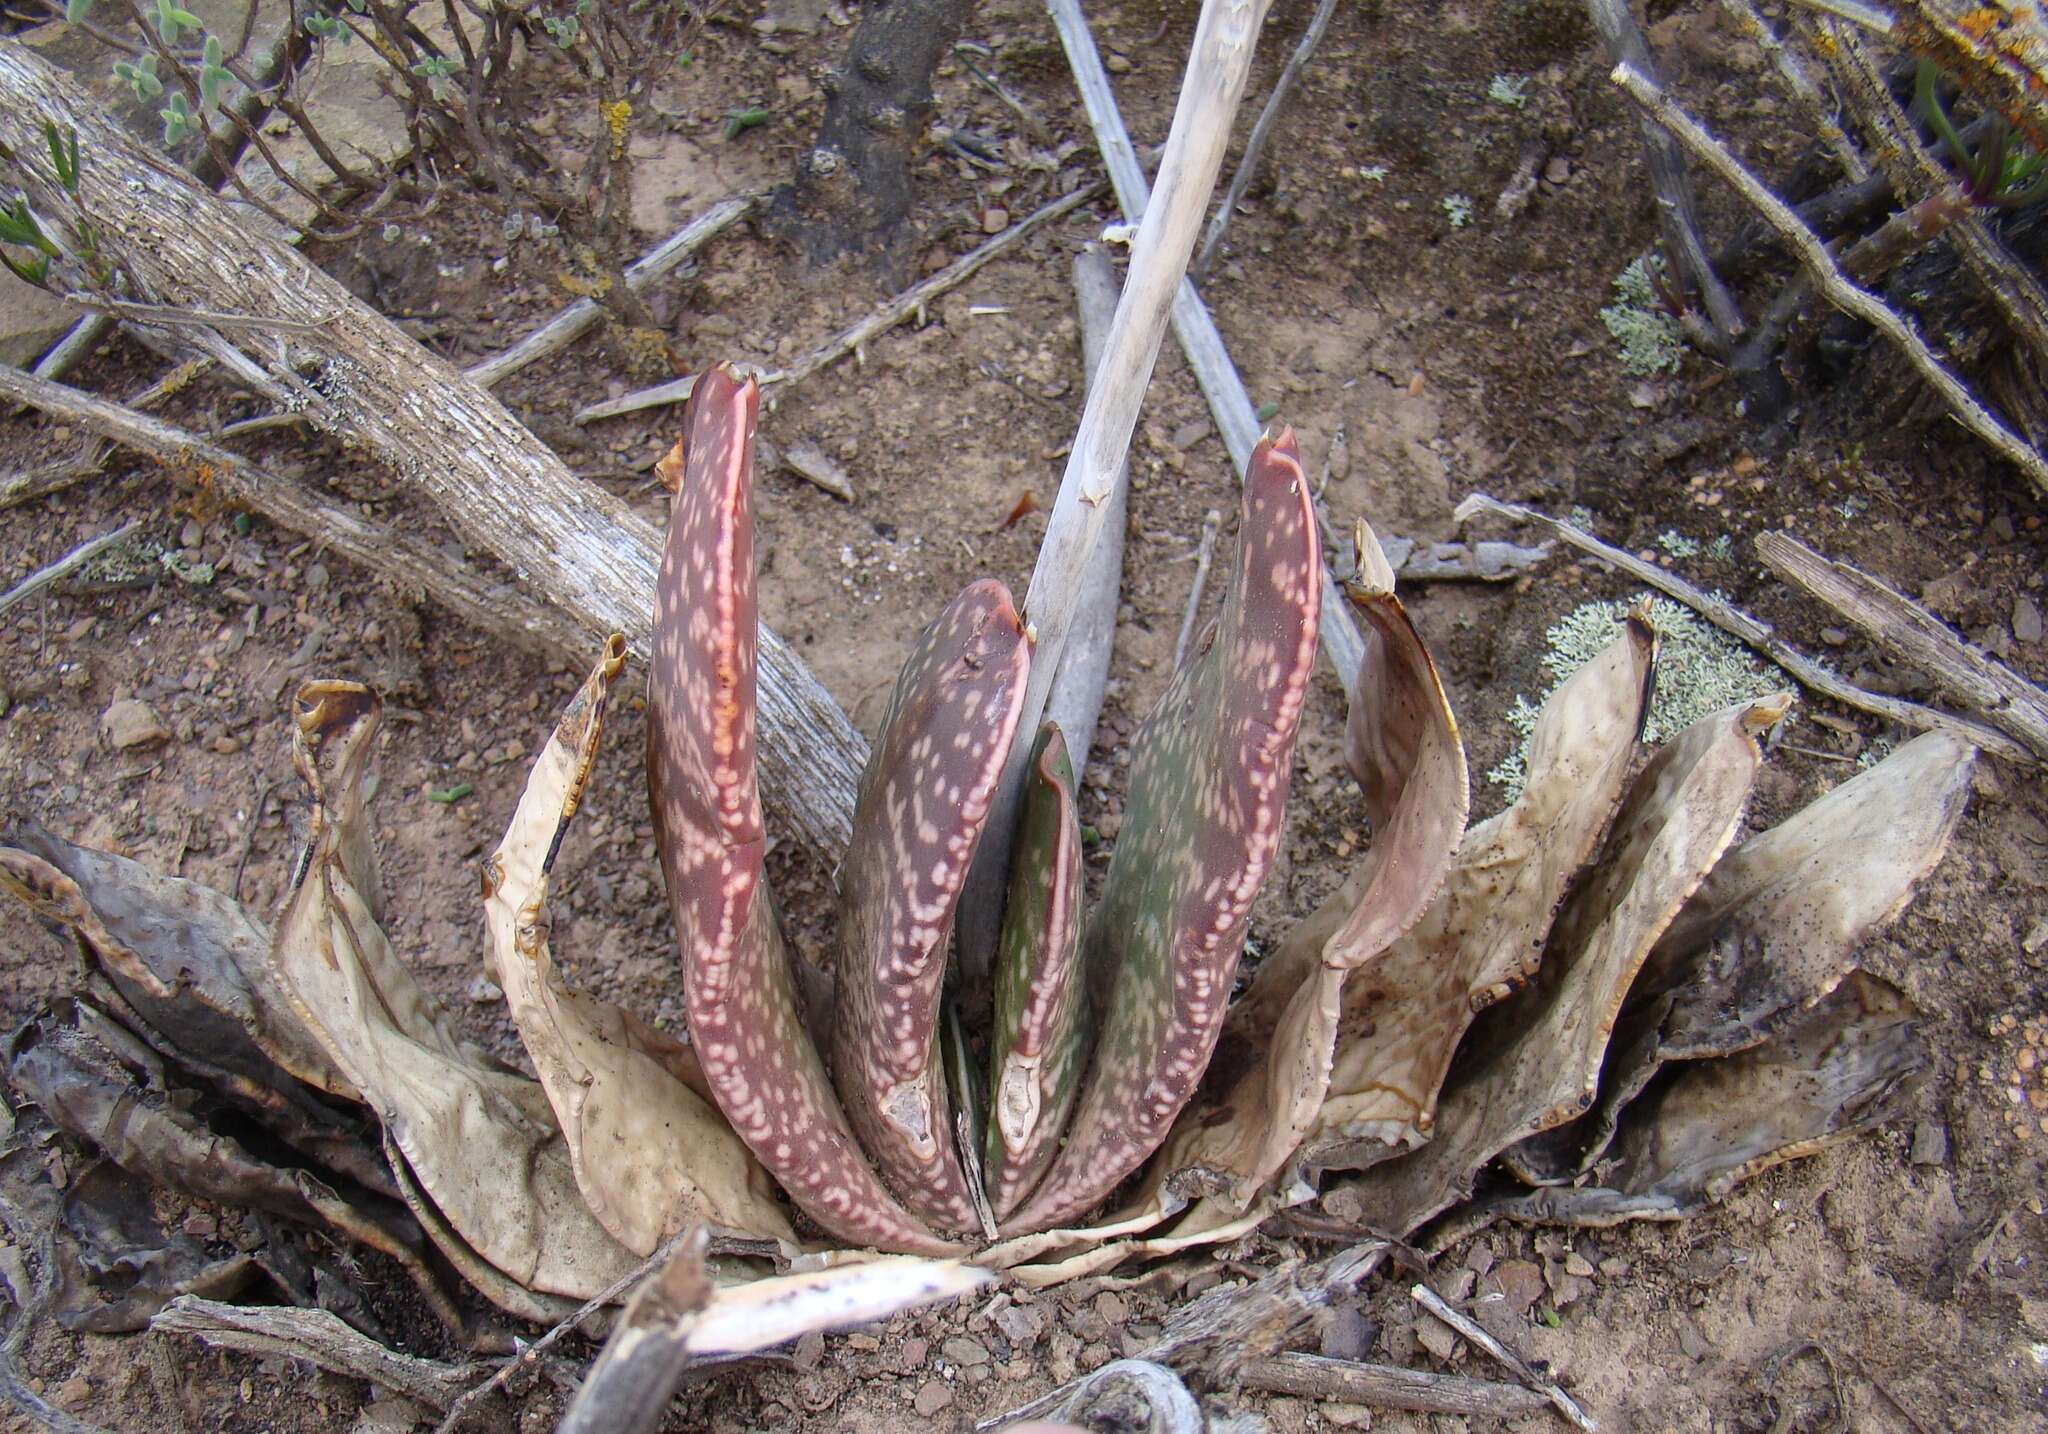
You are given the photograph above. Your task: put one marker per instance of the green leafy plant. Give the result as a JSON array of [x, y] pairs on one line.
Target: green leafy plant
[[140, 76], [172, 21], [741, 118], [2004, 171]]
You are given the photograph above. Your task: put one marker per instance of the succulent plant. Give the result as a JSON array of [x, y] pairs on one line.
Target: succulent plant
[[1592, 1006]]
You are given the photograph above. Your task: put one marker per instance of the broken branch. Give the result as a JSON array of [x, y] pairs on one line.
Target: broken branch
[[1388, 1386], [1430, 1300], [70, 563], [1990, 689], [1828, 275]]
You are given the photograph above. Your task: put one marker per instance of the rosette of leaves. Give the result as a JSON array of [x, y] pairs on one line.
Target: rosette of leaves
[[1602, 1003]]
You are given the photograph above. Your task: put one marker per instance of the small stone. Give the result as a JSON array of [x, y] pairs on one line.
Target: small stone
[[1094, 1356], [1930, 1144], [1614, 1267], [1520, 1283], [1438, 1338], [995, 219], [1691, 1341], [809, 1351], [1558, 170], [716, 326], [932, 1396], [1111, 1307], [1116, 64], [131, 723], [1021, 1324], [965, 1352], [201, 1227], [1577, 1264], [1189, 434], [1481, 1259], [1833, 636], [227, 746], [1347, 1416], [910, 1358], [73, 1393], [1349, 1334], [2026, 620]]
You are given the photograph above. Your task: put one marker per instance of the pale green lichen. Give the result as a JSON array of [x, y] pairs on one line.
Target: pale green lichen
[[1458, 209], [1651, 340], [1377, 173], [1509, 90], [1678, 544], [1699, 670]]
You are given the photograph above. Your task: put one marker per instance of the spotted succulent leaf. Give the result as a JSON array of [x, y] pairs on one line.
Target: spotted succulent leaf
[[1209, 778], [924, 798], [1036, 1050], [766, 1074]]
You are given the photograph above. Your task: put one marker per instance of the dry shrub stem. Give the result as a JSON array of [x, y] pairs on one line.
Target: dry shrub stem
[[1828, 276]]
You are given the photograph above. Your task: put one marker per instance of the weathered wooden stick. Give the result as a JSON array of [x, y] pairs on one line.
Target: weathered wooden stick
[[1205, 554], [1677, 214], [1430, 1300], [1828, 276], [1255, 147], [883, 318], [1746, 629], [1800, 85], [1992, 690], [399, 557], [1389, 1386], [1083, 678], [70, 563], [1219, 61], [442, 435], [317, 1337], [1236, 416], [576, 320]]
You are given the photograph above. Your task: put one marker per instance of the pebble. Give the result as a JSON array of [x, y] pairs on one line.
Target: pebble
[[1349, 1334], [1021, 1324], [994, 220], [1112, 1308], [932, 1396], [1347, 1416], [1438, 1338], [1930, 1144], [2026, 620], [132, 723], [911, 1356], [809, 1351], [964, 1351], [1558, 170], [73, 1393], [1520, 1283], [1116, 64], [1833, 636], [1577, 1264]]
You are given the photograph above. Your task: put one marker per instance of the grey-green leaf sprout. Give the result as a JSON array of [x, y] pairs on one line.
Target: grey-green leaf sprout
[[75, 11]]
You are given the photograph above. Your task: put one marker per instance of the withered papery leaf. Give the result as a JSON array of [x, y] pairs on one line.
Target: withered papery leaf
[[1403, 747], [1210, 773], [479, 1143], [1483, 934], [745, 1023], [1834, 1070], [1772, 932], [188, 960], [650, 1155], [924, 798], [98, 1082], [191, 972], [1036, 1049], [1534, 1060]]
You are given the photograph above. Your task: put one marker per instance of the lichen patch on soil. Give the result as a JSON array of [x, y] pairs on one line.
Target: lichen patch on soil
[[1448, 358]]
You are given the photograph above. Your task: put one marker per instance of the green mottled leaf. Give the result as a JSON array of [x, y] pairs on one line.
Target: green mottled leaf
[[1036, 1050], [738, 988], [924, 798], [1209, 778]]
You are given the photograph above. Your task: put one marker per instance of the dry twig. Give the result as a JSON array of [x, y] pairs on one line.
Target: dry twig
[[1255, 147], [1388, 1386], [885, 317], [1205, 554], [1746, 629], [65, 566], [1828, 276], [1990, 689], [1430, 1300]]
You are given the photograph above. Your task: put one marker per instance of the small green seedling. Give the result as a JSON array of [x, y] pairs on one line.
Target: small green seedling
[[742, 118], [448, 796], [1509, 90], [172, 22]]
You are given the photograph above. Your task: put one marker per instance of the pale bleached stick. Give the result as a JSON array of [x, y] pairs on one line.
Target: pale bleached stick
[[1083, 678], [1430, 1300], [1855, 12], [1389, 1386], [1219, 62], [576, 320], [1248, 166], [1990, 689], [1677, 214], [1236, 416], [1205, 554], [1828, 276], [885, 317], [1746, 629], [65, 566]]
